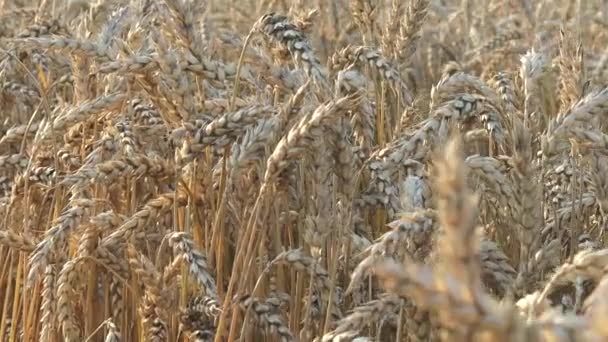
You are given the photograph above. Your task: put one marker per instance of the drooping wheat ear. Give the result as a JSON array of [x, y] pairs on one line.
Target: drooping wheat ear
[[207, 305], [68, 158], [144, 113], [80, 113], [113, 335], [279, 30], [401, 154], [267, 319], [407, 153], [175, 88], [415, 193], [117, 23], [259, 140], [365, 56], [503, 83], [183, 18], [309, 128], [319, 219], [276, 298], [43, 28], [198, 316], [202, 336], [18, 133], [304, 263], [17, 241], [156, 327], [100, 223], [149, 277], [361, 316], [136, 64], [111, 170], [494, 173], [117, 300], [349, 81], [24, 92], [56, 237], [66, 285], [225, 129], [195, 260], [152, 210], [127, 139], [153, 307], [458, 306], [490, 112], [461, 82], [85, 48], [588, 264], [410, 28], [252, 148], [496, 272], [545, 259], [217, 72], [595, 306], [496, 42], [591, 108], [346, 162], [410, 237], [48, 308]]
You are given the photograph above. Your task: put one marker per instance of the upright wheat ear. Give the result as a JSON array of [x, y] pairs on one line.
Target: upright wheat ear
[[457, 209]]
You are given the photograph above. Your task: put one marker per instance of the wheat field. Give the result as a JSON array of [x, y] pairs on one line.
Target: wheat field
[[272, 170]]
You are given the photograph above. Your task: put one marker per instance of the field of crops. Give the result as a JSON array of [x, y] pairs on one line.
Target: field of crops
[[322, 170]]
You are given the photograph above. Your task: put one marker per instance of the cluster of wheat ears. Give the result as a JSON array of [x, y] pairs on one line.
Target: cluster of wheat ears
[[271, 170]]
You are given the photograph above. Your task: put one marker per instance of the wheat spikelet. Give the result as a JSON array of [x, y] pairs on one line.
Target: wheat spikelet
[[308, 128], [412, 22], [48, 304], [369, 57], [112, 335], [223, 130], [16, 134], [109, 171], [85, 48], [55, 237], [589, 264], [66, 283], [372, 311], [279, 29], [528, 210], [301, 262], [495, 268], [17, 241], [197, 263], [266, 318], [410, 237], [81, 112], [153, 209], [197, 318]]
